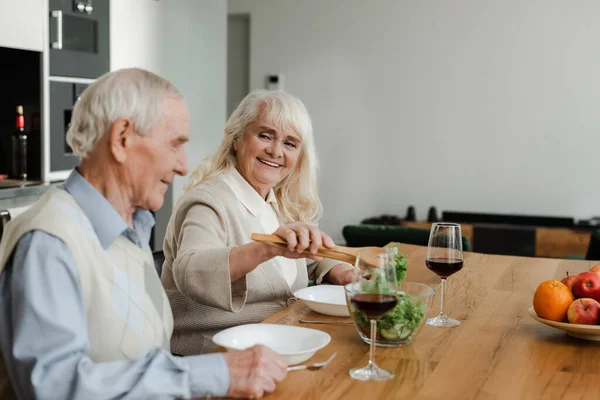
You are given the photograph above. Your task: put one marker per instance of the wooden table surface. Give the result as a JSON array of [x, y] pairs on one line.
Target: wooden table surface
[[498, 351]]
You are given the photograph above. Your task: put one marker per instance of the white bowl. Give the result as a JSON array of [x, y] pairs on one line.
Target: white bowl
[[325, 299], [294, 343]]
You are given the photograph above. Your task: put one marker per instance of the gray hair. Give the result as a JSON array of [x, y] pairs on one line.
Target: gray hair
[[297, 194], [126, 93]]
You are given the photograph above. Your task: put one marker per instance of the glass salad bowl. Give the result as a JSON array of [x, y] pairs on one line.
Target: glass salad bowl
[[400, 326]]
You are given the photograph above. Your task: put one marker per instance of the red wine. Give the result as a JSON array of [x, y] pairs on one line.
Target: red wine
[[19, 142], [374, 305], [444, 267]]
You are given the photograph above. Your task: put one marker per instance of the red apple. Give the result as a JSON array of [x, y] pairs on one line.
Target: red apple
[[596, 269], [568, 281], [584, 311], [587, 284]]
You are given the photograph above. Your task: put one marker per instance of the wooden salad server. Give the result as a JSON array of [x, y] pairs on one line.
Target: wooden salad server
[[340, 253]]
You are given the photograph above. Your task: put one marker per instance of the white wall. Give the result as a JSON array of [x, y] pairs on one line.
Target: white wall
[[471, 105], [185, 42]]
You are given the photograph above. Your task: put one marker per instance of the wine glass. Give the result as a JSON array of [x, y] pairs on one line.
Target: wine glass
[[444, 257], [373, 292]]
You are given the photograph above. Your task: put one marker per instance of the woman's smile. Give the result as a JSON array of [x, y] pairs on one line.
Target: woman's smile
[[269, 163]]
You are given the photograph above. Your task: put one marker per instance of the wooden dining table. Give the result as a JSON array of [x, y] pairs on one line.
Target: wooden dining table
[[497, 352]]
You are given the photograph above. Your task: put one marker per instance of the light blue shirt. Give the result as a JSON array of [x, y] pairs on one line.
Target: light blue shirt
[[43, 329]]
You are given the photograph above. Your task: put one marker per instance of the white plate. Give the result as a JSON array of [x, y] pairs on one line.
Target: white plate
[[325, 299], [294, 343], [587, 332]]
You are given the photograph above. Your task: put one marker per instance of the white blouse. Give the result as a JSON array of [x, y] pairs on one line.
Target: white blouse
[[261, 217]]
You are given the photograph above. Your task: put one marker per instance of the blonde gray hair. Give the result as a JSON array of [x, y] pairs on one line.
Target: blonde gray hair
[[297, 193], [126, 93]]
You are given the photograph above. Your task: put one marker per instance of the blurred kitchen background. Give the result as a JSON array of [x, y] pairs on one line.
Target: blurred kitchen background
[[485, 110]]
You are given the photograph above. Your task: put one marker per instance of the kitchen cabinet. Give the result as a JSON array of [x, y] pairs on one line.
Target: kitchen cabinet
[[22, 24]]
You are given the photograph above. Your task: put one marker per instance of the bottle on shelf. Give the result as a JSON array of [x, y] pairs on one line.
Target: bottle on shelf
[[19, 147], [34, 155], [432, 215], [411, 214]]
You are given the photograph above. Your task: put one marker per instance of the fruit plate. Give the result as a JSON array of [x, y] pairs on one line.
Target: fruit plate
[[587, 332]]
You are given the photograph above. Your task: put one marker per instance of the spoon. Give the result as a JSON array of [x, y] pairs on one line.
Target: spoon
[[341, 253]]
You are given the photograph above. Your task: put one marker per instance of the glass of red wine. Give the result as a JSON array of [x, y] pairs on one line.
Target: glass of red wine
[[444, 257], [373, 292]]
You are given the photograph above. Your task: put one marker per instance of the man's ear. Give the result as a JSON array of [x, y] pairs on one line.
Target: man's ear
[[120, 137]]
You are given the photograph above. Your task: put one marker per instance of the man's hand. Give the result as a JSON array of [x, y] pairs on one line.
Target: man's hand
[[254, 372]]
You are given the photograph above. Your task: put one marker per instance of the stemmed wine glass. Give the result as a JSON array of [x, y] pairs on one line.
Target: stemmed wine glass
[[373, 292], [444, 257]]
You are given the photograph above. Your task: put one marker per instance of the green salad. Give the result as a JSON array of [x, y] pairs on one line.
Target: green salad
[[401, 322]]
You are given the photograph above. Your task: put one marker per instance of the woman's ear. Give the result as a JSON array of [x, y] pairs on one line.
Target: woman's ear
[[120, 138]]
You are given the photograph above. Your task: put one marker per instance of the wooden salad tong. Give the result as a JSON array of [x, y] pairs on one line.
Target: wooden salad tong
[[340, 253]]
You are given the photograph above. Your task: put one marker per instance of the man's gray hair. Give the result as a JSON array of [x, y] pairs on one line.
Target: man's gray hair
[[126, 93]]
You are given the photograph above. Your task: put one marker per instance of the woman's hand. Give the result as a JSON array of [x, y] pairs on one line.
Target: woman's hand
[[341, 274], [299, 236], [302, 237]]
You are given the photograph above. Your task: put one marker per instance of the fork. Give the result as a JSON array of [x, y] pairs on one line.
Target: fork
[[312, 367], [306, 321]]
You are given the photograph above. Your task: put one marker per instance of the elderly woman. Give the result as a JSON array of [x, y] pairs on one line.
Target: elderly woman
[[261, 179]]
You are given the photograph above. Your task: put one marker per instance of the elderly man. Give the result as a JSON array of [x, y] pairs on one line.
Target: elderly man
[[83, 311]]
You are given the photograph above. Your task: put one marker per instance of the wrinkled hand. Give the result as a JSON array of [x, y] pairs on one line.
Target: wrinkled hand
[[254, 372], [341, 274], [302, 237]]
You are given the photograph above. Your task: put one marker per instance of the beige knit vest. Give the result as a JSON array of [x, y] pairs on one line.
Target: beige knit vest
[[127, 310]]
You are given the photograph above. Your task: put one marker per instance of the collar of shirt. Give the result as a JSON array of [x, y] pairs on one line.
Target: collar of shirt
[[247, 195], [107, 222]]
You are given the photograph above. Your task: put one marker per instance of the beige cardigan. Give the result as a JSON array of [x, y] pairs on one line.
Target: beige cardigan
[[203, 229]]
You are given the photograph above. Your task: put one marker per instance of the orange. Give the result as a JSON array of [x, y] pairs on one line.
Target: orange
[[552, 300]]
